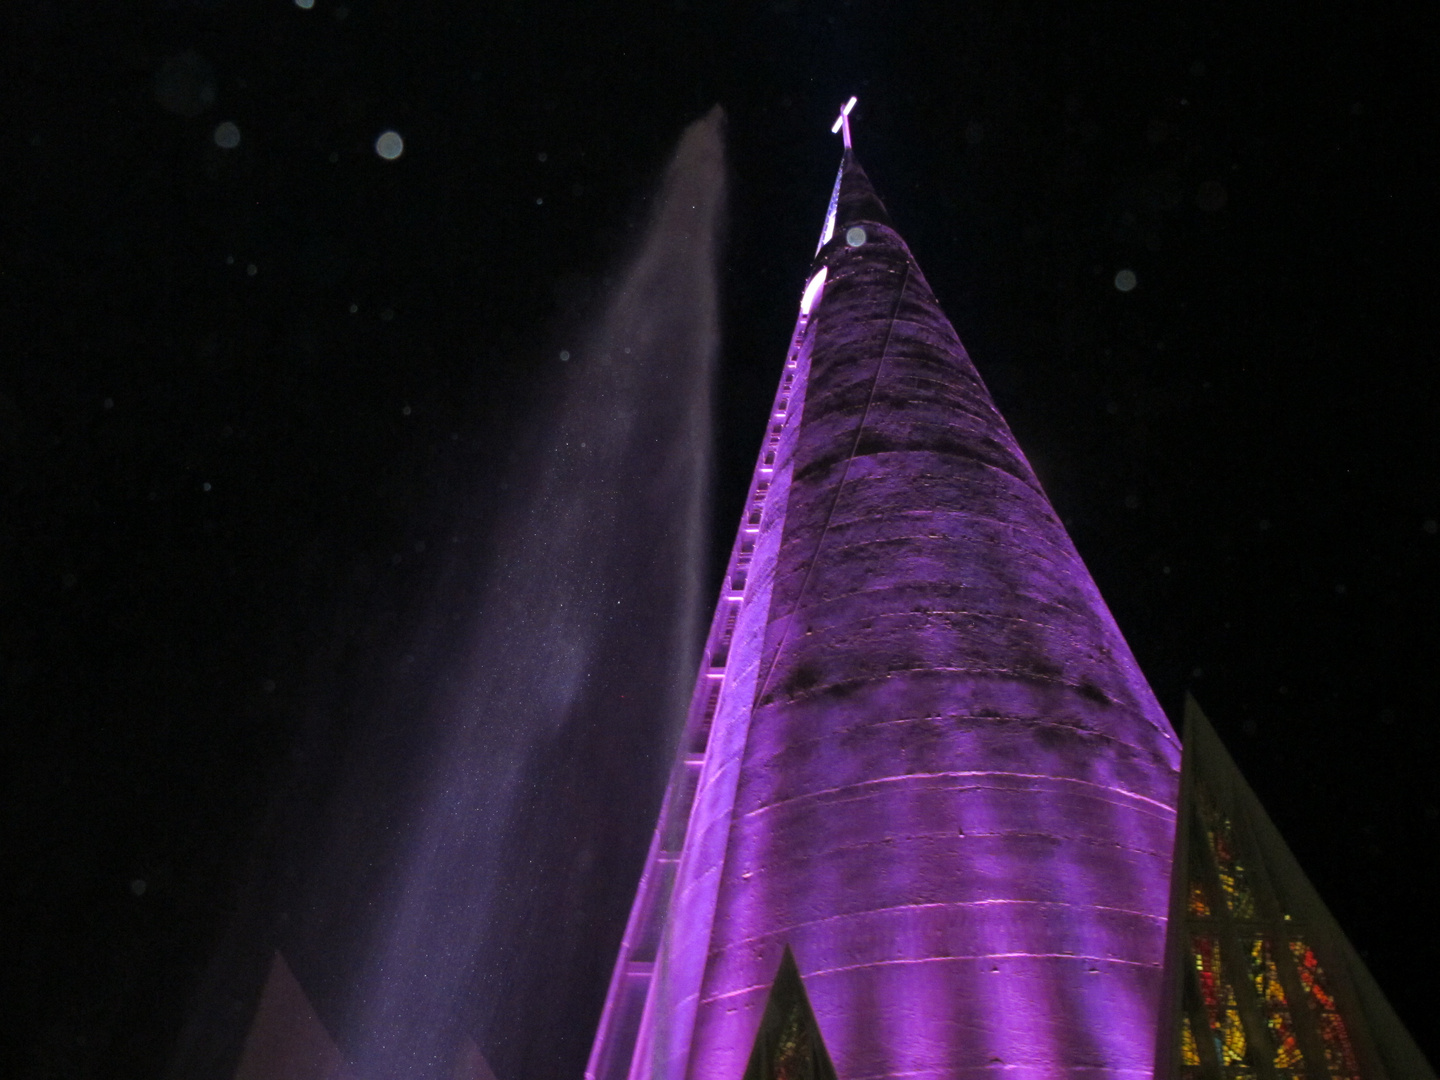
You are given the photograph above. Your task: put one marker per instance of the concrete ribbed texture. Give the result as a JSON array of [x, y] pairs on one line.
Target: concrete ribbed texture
[[937, 772]]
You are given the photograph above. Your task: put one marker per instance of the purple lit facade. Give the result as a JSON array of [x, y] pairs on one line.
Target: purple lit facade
[[919, 753]]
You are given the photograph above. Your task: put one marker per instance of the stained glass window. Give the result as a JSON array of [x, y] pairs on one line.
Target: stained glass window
[[788, 1045], [1199, 906], [1271, 995], [1189, 1052], [793, 1052], [1190, 1063], [1218, 997], [1255, 1001], [1233, 881], [1339, 1053]]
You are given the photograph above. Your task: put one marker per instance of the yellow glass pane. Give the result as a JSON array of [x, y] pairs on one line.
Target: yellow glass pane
[[1199, 906], [1270, 994], [1232, 1035], [1189, 1052], [1220, 839]]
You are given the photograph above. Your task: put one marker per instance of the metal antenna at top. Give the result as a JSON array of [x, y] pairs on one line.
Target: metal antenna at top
[[842, 122]]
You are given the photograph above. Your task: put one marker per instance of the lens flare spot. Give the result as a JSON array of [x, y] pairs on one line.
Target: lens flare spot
[[227, 136], [390, 145]]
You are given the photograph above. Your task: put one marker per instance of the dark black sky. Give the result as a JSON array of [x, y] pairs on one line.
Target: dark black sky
[[246, 394]]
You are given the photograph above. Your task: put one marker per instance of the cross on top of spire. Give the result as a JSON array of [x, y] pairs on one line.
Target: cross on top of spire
[[842, 122]]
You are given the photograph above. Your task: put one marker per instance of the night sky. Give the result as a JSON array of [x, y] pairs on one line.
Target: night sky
[[257, 401]]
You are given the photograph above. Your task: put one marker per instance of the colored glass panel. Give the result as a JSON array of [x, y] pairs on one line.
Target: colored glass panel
[[1199, 906], [1339, 1052], [1219, 835], [1238, 897], [792, 1054], [1270, 993], [1189, 1051], [788, 1045], [1221, 1008]]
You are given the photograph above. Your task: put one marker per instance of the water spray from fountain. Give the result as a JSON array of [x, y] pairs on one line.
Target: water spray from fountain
[[476, 933], [583, 657]]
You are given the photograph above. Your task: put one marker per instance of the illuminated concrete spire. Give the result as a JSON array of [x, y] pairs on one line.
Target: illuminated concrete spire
[[920, 754]]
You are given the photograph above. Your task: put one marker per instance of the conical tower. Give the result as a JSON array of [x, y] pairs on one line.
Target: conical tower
[[920, 754]]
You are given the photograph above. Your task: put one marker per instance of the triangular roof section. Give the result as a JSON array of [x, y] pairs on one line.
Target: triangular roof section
[[789, 1045], [287, 1040], [1261, 982], [470, 1063]]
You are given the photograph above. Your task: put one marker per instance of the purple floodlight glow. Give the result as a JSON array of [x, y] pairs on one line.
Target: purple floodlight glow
[[812, 291], [920, 753], [842, 122]]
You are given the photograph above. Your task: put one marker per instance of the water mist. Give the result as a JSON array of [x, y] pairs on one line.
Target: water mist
[[581, 669], [464, 888]]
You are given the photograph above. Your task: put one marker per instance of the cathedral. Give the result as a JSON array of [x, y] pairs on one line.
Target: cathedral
[[928, 820]]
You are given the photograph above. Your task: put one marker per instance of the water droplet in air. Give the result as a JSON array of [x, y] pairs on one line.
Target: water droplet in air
[[390, 145], [227, 136]]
